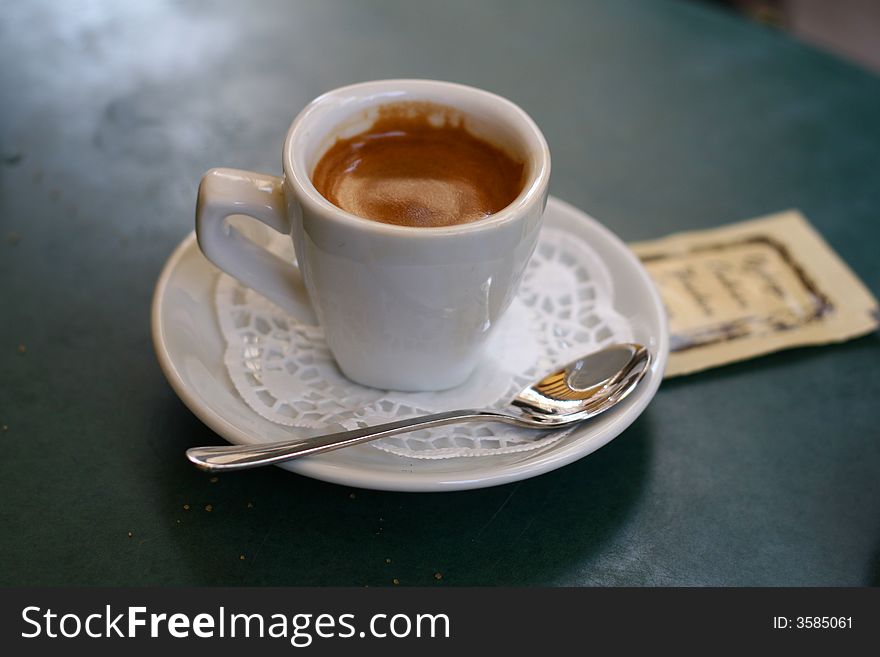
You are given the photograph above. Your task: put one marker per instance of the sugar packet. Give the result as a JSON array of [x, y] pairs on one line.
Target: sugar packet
[[754, 287]]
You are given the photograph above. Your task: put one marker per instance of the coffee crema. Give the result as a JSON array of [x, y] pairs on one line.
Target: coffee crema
[[417, 165]]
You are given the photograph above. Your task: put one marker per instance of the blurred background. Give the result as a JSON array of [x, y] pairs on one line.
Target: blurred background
[[847, 28]]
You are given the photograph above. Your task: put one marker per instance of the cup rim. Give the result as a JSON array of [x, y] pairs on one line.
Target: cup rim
[[533, 190]]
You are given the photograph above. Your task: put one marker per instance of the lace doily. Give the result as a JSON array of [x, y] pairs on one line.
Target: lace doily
[[284, 371]]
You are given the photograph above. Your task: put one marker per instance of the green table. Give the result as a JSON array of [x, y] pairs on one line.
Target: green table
[[661, 116]]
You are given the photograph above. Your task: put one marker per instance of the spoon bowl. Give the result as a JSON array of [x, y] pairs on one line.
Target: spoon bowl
[[585, 387]]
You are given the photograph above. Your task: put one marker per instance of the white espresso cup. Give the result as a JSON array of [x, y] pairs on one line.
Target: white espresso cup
[[401, 307]]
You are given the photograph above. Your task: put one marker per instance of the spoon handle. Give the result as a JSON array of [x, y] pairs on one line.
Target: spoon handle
[[241, 457]]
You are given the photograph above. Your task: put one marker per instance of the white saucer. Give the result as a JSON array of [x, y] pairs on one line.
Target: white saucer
[[190, 349]]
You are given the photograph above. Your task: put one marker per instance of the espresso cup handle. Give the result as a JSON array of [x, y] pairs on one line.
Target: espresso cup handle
[[226, 192]]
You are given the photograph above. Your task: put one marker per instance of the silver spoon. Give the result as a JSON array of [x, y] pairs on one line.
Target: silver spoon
[[580, 390]]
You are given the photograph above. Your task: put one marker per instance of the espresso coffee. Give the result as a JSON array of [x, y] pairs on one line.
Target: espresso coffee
[[418, 165]]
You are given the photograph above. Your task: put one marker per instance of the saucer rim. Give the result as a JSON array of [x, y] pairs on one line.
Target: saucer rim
[[560, 453]]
